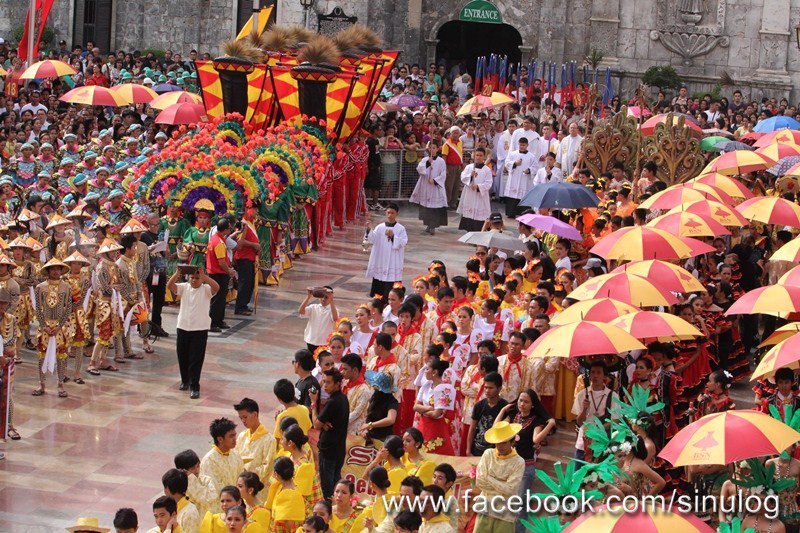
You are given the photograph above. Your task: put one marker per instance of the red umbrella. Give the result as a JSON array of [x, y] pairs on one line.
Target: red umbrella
[[182, 113], [649, 126], [93, 95]]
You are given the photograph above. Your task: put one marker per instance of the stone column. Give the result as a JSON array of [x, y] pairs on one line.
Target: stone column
[[526, 52], [430, 51], [774, 39], [604, 28]]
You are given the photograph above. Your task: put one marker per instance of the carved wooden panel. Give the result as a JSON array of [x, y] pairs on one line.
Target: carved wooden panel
[[612, 139], [675, 149]]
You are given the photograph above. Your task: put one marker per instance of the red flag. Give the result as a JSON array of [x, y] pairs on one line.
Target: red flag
[[43, 8]]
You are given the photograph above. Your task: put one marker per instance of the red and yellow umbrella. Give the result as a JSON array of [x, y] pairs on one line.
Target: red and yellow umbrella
[[49, 68], [686, 224], [182, 114], [597, 310], [725, 215], [785, 354], [583, 338], [481, 102], [651, 325], [680, 194], [779, 150], [133, 93], [724, 438], [615, 520], [781, 334], [649, 125], [628, 288], [739, 162], [175, 97], [670, 277], [771, 210], [791, 278], [788, 252], [729, 185], [93, 95], [641, 242], [771, 300], [778, 136]]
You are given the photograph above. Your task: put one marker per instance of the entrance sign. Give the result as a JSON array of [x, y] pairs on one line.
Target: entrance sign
[[480, 11]]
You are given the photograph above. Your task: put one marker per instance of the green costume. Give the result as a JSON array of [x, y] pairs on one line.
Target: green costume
[[176, 228], [197, 241]]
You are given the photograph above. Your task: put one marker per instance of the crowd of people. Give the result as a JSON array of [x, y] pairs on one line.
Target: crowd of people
[[434, 365]]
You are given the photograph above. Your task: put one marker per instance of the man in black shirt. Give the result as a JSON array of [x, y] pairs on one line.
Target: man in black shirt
[[303, 366], [382, 408], [157, 277], [484, 413], [332, 423]]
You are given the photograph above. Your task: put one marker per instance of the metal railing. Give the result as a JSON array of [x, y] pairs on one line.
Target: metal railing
[[399, 172]]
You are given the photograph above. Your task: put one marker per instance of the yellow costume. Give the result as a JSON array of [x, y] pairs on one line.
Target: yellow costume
[[422, 468], [188, 516], [222, 467], [257, 449], [287, 508]]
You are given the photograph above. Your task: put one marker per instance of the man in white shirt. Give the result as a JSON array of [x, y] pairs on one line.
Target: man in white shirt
[[713, 114], [528, 131], [592, 401], [521, 167], [35, 104], [569, 148], [549, 172], [321, 318]]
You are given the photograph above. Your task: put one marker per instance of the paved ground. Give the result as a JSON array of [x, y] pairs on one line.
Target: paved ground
[[107, 445]]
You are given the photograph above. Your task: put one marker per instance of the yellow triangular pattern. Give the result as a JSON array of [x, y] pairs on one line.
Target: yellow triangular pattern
[[263, 17]]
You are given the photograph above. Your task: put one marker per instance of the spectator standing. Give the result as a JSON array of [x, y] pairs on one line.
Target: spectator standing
[[332, 423], [218, 266], [453, 153], [499, 475], [244, 257], [321, 316]]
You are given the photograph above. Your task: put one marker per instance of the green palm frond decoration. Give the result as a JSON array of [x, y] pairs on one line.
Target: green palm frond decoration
[[606, 470], [762, 479], [734, 526], [567, 483], [636, 404], [790, 417], [543, 524]]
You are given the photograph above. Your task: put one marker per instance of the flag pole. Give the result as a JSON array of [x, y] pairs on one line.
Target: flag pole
[[31, 31]]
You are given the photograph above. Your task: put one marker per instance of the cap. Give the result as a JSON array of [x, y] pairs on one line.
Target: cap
[[161, 135], [593, 262], [116, 193], [66, 161], [147, 81], [495, 217], [89, 155]]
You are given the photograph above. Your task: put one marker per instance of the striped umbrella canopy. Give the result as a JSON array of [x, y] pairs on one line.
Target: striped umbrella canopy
[[738, 162], [728, 437], [642, 242], [777, 136], [652, 325], [791, 278], [616, 520], [649, 125], [730, 186], [93, 95], [686, 224], [583, 338], [781, 334], [725, 215], [670, 277], [770, 300], [771, 210], [165, 100], [682, 194], [597, 310], [784, 354], [133, 93], [49, 68], [779, 150], [625, 287], [788, 252]]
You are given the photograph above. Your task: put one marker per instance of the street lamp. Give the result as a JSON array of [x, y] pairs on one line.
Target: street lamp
[[307, 5]]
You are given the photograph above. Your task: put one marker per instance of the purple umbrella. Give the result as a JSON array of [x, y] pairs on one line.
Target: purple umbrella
[[162, 88], [783, 165], [407, 100], [550, 225]]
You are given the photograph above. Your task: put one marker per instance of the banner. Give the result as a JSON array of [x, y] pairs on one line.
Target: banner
[[263, 18], [43, 8], [359, 455], [260, 93]]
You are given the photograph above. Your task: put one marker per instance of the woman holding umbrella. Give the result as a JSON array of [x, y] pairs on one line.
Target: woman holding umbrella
[[429, 191]]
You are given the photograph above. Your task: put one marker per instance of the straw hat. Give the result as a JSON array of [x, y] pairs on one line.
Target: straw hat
[[74, 257], [54, 263], [133, 226], [78, 212], [502, 432], [100, 222], [3, 244], [108, 246], [34, 244], [85, 240], [26, 215], [88, 524], [19, 242], [5, 260], [57, 220]]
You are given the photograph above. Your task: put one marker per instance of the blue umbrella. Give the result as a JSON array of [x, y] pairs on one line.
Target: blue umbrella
[[561, 195], [162, 88], [777, 123], [730, 146]]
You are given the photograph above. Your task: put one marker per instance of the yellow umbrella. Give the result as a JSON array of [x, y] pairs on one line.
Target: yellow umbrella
[[685, 224], [725, 215], [728, 437], [781, 334], [642, 242], [479, 103], [165, 100], [625, 287], [676, 195], [670, 277], [726, 184], [93, 95], [49, 68], [788, 252], [651, 325], [133, 93], [785, 354], [771, 210], [738, 162], [598, 310], [583, 338]]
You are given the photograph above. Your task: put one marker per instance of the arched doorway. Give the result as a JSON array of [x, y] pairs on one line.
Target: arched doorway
[[461, 41]]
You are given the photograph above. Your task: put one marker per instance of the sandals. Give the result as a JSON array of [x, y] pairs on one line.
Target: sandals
[[62, 393], [13, 435], [117, 360], [110, 368], [29, 345], [93, 371], [38, 392], [65, 380], [138, 356], [78, 381]]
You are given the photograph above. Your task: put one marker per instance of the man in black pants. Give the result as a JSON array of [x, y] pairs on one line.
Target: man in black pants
[[332, 422], [244, 260], [193, 325], [157, 278], [218, 266]]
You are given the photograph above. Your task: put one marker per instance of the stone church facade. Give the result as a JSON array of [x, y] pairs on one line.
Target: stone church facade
[[752, 40]]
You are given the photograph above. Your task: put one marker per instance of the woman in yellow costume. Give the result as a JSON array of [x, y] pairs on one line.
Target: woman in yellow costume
[[374, 513], [284, 501], [229, 499], [249, 486], [415, 462], [78, 325], [305, 475], [26, 279], [390, 456], [344, 514]]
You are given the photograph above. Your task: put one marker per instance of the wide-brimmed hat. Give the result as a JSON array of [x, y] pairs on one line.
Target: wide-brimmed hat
[[88, 524], [132, 226], [34, 244], [109, 246], [74, 257], [99, 222], [26, 215], [5, 260], [85, 240], [57, 220], [78, 212], [502, 432], [379, 381], [54, 263], [19, 242]]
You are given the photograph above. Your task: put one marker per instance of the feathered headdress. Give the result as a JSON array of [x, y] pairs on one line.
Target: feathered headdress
[[397, 285], [636, 409], [543, 524], [418, 278], [761, 479], [790, 417], [342, 320], [473, 277], [568, 482], [619, 437], [319, 350], [602, 473]]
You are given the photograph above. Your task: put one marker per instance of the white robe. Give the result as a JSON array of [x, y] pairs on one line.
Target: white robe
[[568, 152], [556, 176], [475, 205], [425, 193], [387, 256], [519, 133], [519, 181]]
